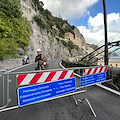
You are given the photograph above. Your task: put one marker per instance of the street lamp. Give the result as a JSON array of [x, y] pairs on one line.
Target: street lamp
[[105, 32]]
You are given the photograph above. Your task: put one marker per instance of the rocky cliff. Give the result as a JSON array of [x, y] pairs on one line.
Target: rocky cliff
[[51, 41], [80, 39], [51, 47]]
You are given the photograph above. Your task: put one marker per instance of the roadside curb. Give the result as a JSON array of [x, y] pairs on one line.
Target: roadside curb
[[19, 67], [109, 89]]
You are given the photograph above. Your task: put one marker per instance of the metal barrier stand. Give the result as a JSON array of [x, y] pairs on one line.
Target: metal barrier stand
[[86, 99], [7, 92]]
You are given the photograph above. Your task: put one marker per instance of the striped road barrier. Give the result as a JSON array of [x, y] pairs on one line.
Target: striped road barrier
[[26, 79], [95, 70]]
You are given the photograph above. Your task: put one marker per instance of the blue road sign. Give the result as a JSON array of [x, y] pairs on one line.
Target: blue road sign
[[92, 79], [35, 93]]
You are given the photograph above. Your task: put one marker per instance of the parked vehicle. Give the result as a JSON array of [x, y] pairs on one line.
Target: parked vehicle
[[26, 60]]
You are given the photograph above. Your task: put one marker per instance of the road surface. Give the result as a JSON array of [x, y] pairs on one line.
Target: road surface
[[106, 104]]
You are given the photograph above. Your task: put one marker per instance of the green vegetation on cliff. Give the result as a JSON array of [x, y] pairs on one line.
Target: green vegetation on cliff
[[47, 20], [14, 30]]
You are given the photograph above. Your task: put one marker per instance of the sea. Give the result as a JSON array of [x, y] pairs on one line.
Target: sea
[[114, 57]]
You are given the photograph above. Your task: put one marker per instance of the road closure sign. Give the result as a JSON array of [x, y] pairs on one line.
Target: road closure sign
[[35, 93], [92, 79]]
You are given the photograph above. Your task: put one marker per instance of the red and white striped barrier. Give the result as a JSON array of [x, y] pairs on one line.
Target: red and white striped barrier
[[94, 70], [26, 79]]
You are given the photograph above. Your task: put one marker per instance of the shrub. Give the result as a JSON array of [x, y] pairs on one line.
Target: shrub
[[11, 8], [39, 21], [14, 30]]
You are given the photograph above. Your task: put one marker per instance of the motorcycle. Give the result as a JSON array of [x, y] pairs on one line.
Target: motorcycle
[[25, 60], [42, 65]]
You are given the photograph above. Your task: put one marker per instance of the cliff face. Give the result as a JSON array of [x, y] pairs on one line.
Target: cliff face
[[79, 38], [50, 46]]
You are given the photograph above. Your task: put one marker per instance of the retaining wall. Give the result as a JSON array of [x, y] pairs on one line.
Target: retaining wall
[[11, 63]]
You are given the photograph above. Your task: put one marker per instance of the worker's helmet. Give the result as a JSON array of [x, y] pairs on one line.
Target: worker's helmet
[[38, 50]]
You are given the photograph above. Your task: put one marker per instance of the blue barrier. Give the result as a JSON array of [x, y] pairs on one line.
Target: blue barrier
[[35, 93], [92, 79]]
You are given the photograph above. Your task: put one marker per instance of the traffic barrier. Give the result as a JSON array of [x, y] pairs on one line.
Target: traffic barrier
[[39, 86], [26, 79], [95, 70], [35, 93]]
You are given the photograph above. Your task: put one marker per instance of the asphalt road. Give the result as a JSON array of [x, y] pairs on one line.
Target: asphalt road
[[106, 104]]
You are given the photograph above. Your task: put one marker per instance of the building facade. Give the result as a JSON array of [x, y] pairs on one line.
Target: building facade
[[114, 61], [69, 36]]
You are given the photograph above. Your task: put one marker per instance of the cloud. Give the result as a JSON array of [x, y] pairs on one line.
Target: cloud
[[69, 9], [94, 34], [96, 21], [76, 9]]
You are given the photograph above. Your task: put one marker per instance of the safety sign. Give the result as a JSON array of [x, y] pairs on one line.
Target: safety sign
[[35, 93], [92, 79]]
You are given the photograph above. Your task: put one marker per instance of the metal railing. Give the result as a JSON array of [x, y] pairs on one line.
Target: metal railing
[[4, 75], [78, 71]]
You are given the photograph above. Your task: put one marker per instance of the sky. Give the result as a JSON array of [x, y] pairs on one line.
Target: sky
[[87, 16]]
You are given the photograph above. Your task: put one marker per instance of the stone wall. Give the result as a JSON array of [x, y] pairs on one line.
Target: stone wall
[[10, 64]]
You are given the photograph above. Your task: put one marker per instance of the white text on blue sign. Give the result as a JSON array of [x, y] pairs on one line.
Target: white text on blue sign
[[92, 79], [35, 93]]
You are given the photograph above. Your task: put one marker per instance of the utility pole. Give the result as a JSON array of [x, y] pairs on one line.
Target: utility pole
[[105, 32]]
